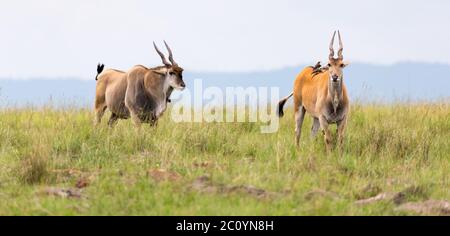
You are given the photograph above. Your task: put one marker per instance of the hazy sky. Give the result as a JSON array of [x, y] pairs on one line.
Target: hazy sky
[[54, 38]]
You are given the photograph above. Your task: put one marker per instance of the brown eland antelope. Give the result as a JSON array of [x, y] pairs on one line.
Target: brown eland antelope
[[141, 93], [321, 92]]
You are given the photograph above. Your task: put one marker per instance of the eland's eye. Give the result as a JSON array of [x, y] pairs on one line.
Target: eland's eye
[[342, 65], [329, 65], [171, 73]]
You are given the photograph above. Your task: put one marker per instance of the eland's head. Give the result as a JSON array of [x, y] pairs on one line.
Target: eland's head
[[173, 72], [336, 65]]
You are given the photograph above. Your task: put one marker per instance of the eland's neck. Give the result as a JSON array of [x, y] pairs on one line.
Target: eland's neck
[[164, 78], [335, 93]]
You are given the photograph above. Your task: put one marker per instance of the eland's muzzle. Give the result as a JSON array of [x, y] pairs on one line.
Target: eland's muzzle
[[181, 86], [335, 78]]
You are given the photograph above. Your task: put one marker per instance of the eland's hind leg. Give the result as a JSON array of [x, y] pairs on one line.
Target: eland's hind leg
[[99, 112], [299, 117], [100, 102]]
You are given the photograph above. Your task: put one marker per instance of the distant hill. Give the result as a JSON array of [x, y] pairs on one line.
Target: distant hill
[[366, 83]]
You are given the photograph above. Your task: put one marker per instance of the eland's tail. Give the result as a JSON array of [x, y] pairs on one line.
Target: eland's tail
[[100, 68], [281, 105]]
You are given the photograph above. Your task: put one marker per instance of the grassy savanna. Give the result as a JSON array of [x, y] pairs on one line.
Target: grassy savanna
[[155, 171]]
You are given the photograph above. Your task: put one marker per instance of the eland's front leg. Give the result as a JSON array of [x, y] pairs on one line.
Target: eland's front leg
[[327, 134], [160, 109], [136, 119], [315, 127], [113, 120]]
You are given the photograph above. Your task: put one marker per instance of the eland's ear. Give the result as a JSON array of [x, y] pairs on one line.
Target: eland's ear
[[345, 64]]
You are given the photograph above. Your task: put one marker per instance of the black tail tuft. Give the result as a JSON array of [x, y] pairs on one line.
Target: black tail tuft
[[281, 105], [100, 68]]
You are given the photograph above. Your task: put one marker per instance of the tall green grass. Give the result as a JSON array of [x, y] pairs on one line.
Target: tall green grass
[[387, 149]]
